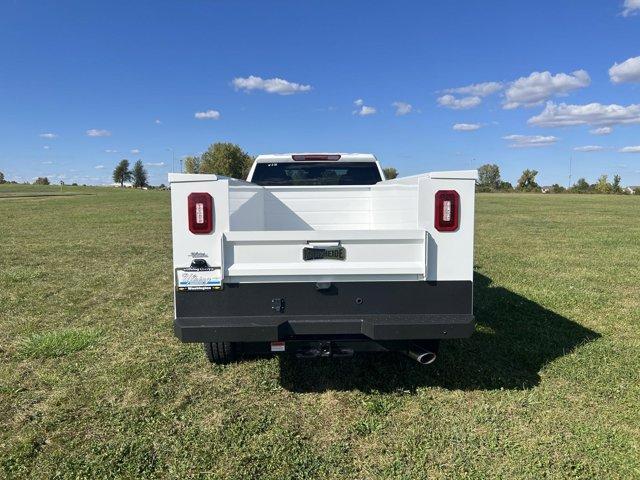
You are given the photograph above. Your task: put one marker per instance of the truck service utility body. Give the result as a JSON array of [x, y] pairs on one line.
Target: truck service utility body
[[319, 247]]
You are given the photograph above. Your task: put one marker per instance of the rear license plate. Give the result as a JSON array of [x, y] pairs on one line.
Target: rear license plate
[[198, 279], [324, 253]]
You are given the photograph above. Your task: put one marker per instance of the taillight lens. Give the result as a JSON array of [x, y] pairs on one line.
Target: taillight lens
[[200, 213], [447, 217]]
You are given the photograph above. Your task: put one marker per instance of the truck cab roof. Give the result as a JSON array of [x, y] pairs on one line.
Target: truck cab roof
[[316, 156]]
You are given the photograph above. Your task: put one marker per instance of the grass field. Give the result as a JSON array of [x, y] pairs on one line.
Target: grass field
[[94, 385]]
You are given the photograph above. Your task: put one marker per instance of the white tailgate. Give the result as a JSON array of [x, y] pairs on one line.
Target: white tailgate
[[276, 256]]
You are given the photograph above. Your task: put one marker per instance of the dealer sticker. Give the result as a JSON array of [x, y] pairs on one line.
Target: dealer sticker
[[188, 279]]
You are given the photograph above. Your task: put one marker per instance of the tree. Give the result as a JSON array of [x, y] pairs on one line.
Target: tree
[[139, 175], [527, 181], [192, 165], [390, 173], [603, 186], [557, 188], [615, 187], [581, 186], [505, 186], [122, 173], [226, 159], [41, 181], [2, 180], [489, 177]]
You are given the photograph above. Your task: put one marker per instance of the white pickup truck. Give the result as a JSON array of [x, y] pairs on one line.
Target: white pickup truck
[[319, 255]]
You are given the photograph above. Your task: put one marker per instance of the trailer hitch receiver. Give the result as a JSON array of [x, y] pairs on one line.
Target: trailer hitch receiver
[[323, 349]]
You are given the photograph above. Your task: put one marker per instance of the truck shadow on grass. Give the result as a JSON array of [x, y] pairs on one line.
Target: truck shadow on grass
[[514, 339]]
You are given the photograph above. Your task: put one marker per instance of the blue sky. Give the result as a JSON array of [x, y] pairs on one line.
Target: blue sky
[[527, 83]]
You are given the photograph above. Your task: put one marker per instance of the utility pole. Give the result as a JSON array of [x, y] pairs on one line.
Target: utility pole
[[570, 161], [173, 159]]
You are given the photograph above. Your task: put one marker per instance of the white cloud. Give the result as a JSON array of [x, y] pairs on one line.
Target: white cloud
[[477, 89], [157, 121], [135, 151], [402, 108], [48, 162], [540, 86], [463, 103], [208, 115], [48, 135], [158, 164], [60, 176], [95, 132], [527, 141], [633, 149], [626, 72], [366, 110], [601, 131], [99, 167], [473, 92], [363, 109], [269, 85], [466, 127], [563, 115], [108, 150], [631, 7], [46, 147], [589, 148]]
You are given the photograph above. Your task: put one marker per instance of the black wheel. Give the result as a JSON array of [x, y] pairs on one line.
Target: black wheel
[[220, 352]]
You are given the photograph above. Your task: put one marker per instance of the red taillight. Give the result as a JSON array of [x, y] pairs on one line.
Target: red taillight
[[200, 213], [447, 217]]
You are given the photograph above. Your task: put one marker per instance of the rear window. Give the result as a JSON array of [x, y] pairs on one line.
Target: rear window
[[316, 173]]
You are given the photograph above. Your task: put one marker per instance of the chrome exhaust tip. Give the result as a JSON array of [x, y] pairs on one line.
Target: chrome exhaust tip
[[423, 357]]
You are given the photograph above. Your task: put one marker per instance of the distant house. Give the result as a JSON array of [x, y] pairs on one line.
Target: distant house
[[126, 185], [631, 189], [545, 189]]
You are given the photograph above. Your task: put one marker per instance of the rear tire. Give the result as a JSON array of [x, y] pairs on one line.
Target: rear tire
[[220, 352]]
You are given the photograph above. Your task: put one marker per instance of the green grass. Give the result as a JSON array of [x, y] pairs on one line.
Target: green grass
[[58, 343], [94, 385], [9, 191]]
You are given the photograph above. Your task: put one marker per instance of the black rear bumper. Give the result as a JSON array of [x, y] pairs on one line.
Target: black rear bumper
[[366, 310], [272, 328]]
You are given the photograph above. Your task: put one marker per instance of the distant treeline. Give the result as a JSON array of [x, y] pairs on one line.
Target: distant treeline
[[489, 181], [229, 159], [37, 181]]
